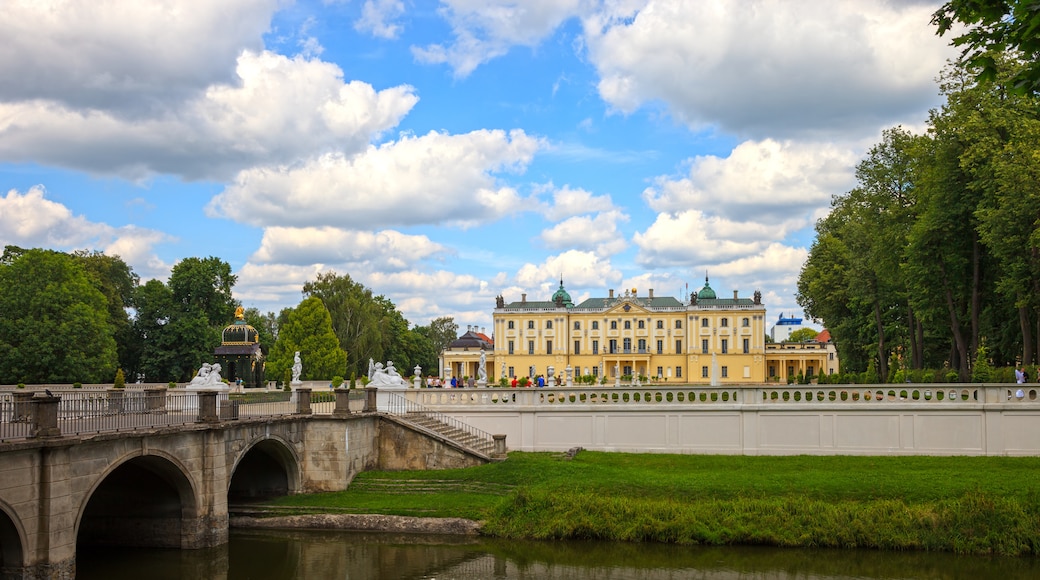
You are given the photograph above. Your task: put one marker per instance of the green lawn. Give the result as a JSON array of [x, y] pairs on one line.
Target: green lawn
[[963, 504]]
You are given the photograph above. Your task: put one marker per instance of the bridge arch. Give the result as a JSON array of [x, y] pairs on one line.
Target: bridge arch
[[268, 467], [140, 500], [12, 542]]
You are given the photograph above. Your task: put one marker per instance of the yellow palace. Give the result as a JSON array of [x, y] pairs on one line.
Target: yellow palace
[[707, 340]]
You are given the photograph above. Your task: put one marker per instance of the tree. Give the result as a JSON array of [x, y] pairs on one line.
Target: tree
[[996, 27], [802, 335], [266, 325], [356, 317], [203, 285], [308, 329], [54, 324], [117, 281]]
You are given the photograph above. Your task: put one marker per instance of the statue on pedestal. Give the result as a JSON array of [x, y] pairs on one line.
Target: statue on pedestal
[[297, 368]]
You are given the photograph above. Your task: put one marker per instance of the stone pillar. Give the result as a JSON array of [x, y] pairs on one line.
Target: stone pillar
[[208, 407], [342, 402], [115, 400], [370, 399], [45, 416], [303, 401], [23, 407], [500, 446], [155, 400]]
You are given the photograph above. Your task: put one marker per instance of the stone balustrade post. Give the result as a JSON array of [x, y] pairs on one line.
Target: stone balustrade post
[[208, 407], [500, 446], [23, 406], [45, 416], [155, 400], [342, 402], [370, 399], [303, 401], [115, 400]]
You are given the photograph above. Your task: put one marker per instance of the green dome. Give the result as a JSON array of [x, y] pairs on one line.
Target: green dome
[[706, 292], [562, 297]]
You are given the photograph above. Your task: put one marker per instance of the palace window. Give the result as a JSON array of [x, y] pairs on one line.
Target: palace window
[[660, 324], [512, 373], [577, 326], [530, 347], [745, 323], [678, 323], [510, 325], [613, 324], [704, 346], [530, 324], [724, 322], [678, 372], [704, 323], [660, 347], [613, 346], [678, 347], [642, 345], [510, 347], [628, 345], [641, 324], [577, 347], [548, 324], [704, 372], [660, 372], [595, 347], [548, 347], [725, 345], [595, 325], [725, 372], [628, 325], [747, 346]]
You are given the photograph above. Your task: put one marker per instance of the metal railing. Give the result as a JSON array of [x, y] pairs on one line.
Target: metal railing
[[479, 440]]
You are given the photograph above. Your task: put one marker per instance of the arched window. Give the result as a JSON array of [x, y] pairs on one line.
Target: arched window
[[724, 322], [745, 323], [548, 324]]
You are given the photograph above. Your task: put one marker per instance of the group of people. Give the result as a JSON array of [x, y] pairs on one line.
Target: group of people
[[1021, 375]]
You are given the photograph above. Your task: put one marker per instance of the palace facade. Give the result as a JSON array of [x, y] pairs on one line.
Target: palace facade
[[706, 340]]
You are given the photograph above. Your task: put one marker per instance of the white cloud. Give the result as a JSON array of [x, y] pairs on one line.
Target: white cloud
[[378, 18], [569, 202], [768, 67], [283, 108], [691, 237], [388, 249], [124, 56], [486, 29], [579, 270], [432, 179], [598, 233], [765, 181], [31, 220]]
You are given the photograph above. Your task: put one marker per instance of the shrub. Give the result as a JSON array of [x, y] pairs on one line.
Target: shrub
[[21, 385], [952, 377], [337, 381], [353, 379], [77, 385], [286, 379], [503, 382], [120, 380], [171, 385], [928, 377], [981, 371]]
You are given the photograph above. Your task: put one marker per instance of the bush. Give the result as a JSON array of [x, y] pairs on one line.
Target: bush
[[503, 382], [353, 379], [286, 379], [928, 377], [981, 371], [21, 385], [171, 385], [120, 380], [952, 377], [77, 385], [337, 381]]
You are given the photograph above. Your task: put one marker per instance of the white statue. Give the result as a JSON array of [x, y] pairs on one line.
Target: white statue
[[207, 377], [371, 369], [297, 368], [386, 376], [482, 369]]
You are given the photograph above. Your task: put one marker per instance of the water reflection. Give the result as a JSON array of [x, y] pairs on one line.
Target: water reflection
[[291, 555]]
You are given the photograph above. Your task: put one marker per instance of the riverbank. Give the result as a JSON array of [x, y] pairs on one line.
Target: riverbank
[[968, 505]]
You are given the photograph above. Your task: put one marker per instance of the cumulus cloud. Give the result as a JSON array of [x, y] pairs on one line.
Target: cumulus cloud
[[767, 67], [31, 220], [598, 233], [765, 181], [485, 29], [124, 56], [378, 18], [579, 269], [692, 237], [284, 108], [433, 179], [568, 202], [388, 249]]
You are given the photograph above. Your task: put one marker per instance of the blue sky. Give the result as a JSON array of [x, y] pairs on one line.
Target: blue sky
[[445, 153]]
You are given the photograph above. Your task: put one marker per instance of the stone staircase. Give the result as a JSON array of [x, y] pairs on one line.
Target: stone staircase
[[474, 442]]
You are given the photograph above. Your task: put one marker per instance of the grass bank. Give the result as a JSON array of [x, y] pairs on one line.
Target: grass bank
[[970, 505]]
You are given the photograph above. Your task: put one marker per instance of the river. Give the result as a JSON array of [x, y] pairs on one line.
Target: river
[[310, 555]]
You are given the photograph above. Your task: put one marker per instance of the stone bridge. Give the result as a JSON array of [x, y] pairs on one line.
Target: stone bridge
[[169, 483]]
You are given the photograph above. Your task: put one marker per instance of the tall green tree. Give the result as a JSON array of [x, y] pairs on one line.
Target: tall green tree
[[203, 285], [117, 281], [356, 318], [308, 329], [54, 322]]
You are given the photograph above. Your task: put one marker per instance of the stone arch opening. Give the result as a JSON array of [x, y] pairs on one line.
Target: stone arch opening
[[268, 469], [12, 558], [144, 502]]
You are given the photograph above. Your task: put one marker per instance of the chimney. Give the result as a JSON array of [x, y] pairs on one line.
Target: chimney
[[611, 292], [651, 293], [523, 298], [482, 329], [734, 294]]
